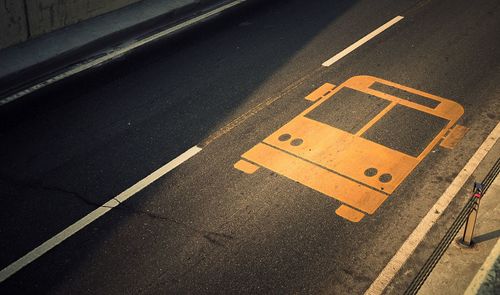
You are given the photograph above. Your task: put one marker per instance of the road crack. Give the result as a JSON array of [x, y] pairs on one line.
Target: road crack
[[23, 185]]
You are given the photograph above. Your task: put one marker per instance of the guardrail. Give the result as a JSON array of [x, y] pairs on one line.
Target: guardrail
[[467, 214]]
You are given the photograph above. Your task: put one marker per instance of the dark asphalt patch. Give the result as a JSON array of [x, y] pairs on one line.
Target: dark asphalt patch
[[348, 110], [406, 130]]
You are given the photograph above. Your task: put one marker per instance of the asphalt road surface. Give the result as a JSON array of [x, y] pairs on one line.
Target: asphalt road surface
[[226, 86]]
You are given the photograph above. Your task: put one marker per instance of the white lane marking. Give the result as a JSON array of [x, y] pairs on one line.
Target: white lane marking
[[487, 266], [118, 52], [94, 215], [361, 41], [409, 246]]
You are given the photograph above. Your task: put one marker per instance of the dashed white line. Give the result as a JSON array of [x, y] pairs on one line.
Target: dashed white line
[[398, 260], [361, 41], [94, 215]]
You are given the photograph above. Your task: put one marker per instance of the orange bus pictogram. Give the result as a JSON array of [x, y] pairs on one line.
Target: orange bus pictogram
[[358, 142]]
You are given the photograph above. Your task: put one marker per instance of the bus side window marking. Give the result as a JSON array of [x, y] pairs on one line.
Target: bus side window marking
[[454, 136], [323, 91]]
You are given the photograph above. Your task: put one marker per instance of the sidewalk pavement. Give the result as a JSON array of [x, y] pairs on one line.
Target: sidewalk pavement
[[41, 57], [473, 270]]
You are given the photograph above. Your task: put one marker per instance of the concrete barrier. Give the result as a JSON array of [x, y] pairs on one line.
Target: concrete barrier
[[24, 19]]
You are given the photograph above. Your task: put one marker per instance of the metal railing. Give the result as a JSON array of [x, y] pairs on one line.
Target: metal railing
[[467, 215]]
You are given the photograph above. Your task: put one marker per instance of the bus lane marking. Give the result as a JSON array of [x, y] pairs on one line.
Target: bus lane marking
[[334, 154]]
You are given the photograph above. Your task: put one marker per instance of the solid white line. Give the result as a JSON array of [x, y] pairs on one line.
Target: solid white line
[[94, 215], [487, 266], [118, 52], [361, 41], [409, 246]]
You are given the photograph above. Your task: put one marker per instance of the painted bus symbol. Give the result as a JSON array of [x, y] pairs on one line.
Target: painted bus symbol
[[358, 142]]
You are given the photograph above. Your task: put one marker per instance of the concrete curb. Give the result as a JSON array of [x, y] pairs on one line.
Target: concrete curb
[[464, 270], [36, 60], [486, 279]]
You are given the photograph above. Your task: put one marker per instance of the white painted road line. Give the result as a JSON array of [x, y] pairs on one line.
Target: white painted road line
[[409, 246], [487, 266], [119, 52], [94, 215], [361, 41]]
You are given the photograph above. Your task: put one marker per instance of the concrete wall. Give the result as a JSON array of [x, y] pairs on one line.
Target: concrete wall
[[24, 19], [13, 25]]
